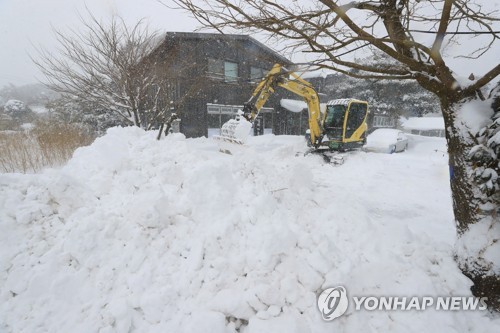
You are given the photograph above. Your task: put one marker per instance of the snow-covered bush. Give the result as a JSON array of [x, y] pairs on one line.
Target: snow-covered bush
[[478, 246], [18, 112], [484, 156], [69, 110], [13, 107]]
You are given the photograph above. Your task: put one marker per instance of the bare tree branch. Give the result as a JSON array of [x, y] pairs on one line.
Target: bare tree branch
[[101, 64], [326, 27]]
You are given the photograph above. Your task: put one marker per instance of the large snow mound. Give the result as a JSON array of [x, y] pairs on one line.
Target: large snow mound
[[135, 234]]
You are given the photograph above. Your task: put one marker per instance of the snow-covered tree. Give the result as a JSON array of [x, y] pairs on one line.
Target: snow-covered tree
[[88, 115], [17, 112], [331, 30], [391, 97]]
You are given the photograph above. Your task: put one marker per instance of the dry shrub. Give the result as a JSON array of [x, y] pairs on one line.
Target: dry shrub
[[46, 145], [18, 152]]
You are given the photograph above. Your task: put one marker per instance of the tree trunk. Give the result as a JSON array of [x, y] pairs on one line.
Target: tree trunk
[[468, 201], [458, 149]]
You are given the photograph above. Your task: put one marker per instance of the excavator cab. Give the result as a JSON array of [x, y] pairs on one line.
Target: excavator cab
[[345, 124]]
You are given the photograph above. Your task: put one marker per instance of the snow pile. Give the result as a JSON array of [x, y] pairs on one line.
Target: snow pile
[[481, 241], [236, 129], [141, 235], [242, 130]]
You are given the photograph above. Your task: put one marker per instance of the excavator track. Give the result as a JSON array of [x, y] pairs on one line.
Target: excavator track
[[329, 156]]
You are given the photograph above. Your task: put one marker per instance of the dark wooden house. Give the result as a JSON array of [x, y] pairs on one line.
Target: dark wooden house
[[210, 76]]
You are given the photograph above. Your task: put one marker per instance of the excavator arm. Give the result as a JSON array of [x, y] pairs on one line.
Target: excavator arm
[[342, 126], [278, 76]]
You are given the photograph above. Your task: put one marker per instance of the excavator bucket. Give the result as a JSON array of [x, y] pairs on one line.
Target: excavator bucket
[[233, 132]]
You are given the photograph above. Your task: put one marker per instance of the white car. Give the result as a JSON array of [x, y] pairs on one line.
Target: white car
[[386, 140]]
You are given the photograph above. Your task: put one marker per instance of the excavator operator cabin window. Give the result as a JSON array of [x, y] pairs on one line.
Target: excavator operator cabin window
[[335, 116], [357, 113]]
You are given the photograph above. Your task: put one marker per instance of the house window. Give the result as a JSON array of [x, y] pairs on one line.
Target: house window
[[215, 68], [230, 71], [220, 69], [256, 74]]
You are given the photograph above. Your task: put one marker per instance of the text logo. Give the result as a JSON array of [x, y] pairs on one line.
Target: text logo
[[333, 302]]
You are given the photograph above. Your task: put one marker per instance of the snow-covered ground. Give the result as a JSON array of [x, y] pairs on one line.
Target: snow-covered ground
[[172, 236]]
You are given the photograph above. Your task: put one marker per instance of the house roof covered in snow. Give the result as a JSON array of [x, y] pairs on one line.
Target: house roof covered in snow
[[423, 123], [293, 105], [298, 106]]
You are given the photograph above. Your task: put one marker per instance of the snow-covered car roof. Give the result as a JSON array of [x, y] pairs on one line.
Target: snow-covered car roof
[[382, 137]]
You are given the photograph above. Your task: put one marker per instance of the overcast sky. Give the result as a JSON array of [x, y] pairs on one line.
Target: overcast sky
[[24, 23]]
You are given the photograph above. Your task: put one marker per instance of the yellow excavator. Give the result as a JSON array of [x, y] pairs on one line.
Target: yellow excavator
[[342, 126]]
